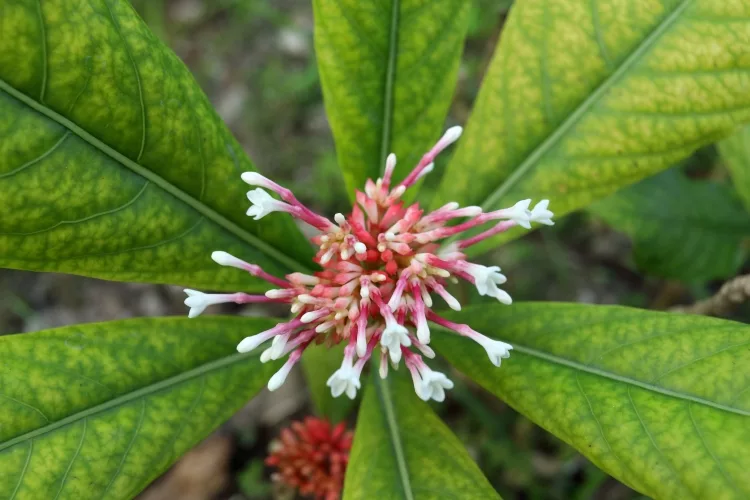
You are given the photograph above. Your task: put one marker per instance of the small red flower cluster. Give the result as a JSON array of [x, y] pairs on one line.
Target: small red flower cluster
[[311, 456]]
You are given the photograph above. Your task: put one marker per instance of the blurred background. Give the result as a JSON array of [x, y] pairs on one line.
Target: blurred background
[[255, 60]]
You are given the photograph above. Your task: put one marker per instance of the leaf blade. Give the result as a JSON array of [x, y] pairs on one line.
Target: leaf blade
[[734, 153], [567, 123], [681, 229], [142, 149], [613, 382], [402, 450], [388, 73], [105, 427]]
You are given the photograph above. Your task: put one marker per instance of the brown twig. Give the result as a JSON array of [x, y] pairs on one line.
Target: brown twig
[[731, 294]]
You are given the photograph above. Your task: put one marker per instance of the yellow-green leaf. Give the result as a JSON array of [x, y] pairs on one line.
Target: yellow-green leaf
[[403, 450], [100, 410], [583, 97], [388, 71], [735, 151], [660, 401], [113, 163]]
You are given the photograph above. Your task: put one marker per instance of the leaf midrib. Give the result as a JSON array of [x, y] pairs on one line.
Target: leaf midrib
[[131, 396], [390, 78], [551, 140], [389, 416], [552, 358], [170, 188], [384, 393]]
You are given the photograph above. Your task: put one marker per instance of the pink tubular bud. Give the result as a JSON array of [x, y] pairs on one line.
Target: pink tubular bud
[[225, 259], [395, 299], [313, 316], [298, 209], [390, 165], [451, 135], [497, 229]]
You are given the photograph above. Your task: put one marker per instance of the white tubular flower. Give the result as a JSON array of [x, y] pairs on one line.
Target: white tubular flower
[[519, 213], [199, 301], [251, 342], [496, 349], [423, 331], [265, 356], [280, 376], [394, 336], [486, 280], [449, 299], [361, 347], [278, 345], [263, 204], [450, 136], [344, 380], [256, 179], [541, 214], [429, 168], [423, 348], [313, 316], [225, 259], [434, 385]]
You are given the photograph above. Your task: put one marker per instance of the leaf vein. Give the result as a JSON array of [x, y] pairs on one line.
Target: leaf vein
[[127, 450], [27, 405], [390, 80], [651, 438], [574, 117], [598, 34], [45, 62], [692, 361], [84, 219], [131, 396], [186, 198], [626, 380], [116, 24], [38, 158], [23, 471], [705, 445], [72, 461], [389, 415]]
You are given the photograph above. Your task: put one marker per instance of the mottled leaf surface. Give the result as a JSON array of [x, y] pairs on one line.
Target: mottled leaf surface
[[100, 410], [388, 70], [583, 97], [113, 163], [403, 450], [660, 401], [684, 229], [735, 154]]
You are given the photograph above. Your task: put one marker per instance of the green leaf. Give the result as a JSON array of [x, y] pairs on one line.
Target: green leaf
[[100, 410], [660, 401], [682, 229], [583, 97], [113, 163], [388, 71], [403, 450], [319, 362], [735, 151]]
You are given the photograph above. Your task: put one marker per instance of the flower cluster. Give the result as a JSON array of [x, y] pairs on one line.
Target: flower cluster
[[382, 264], [312, 457]]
